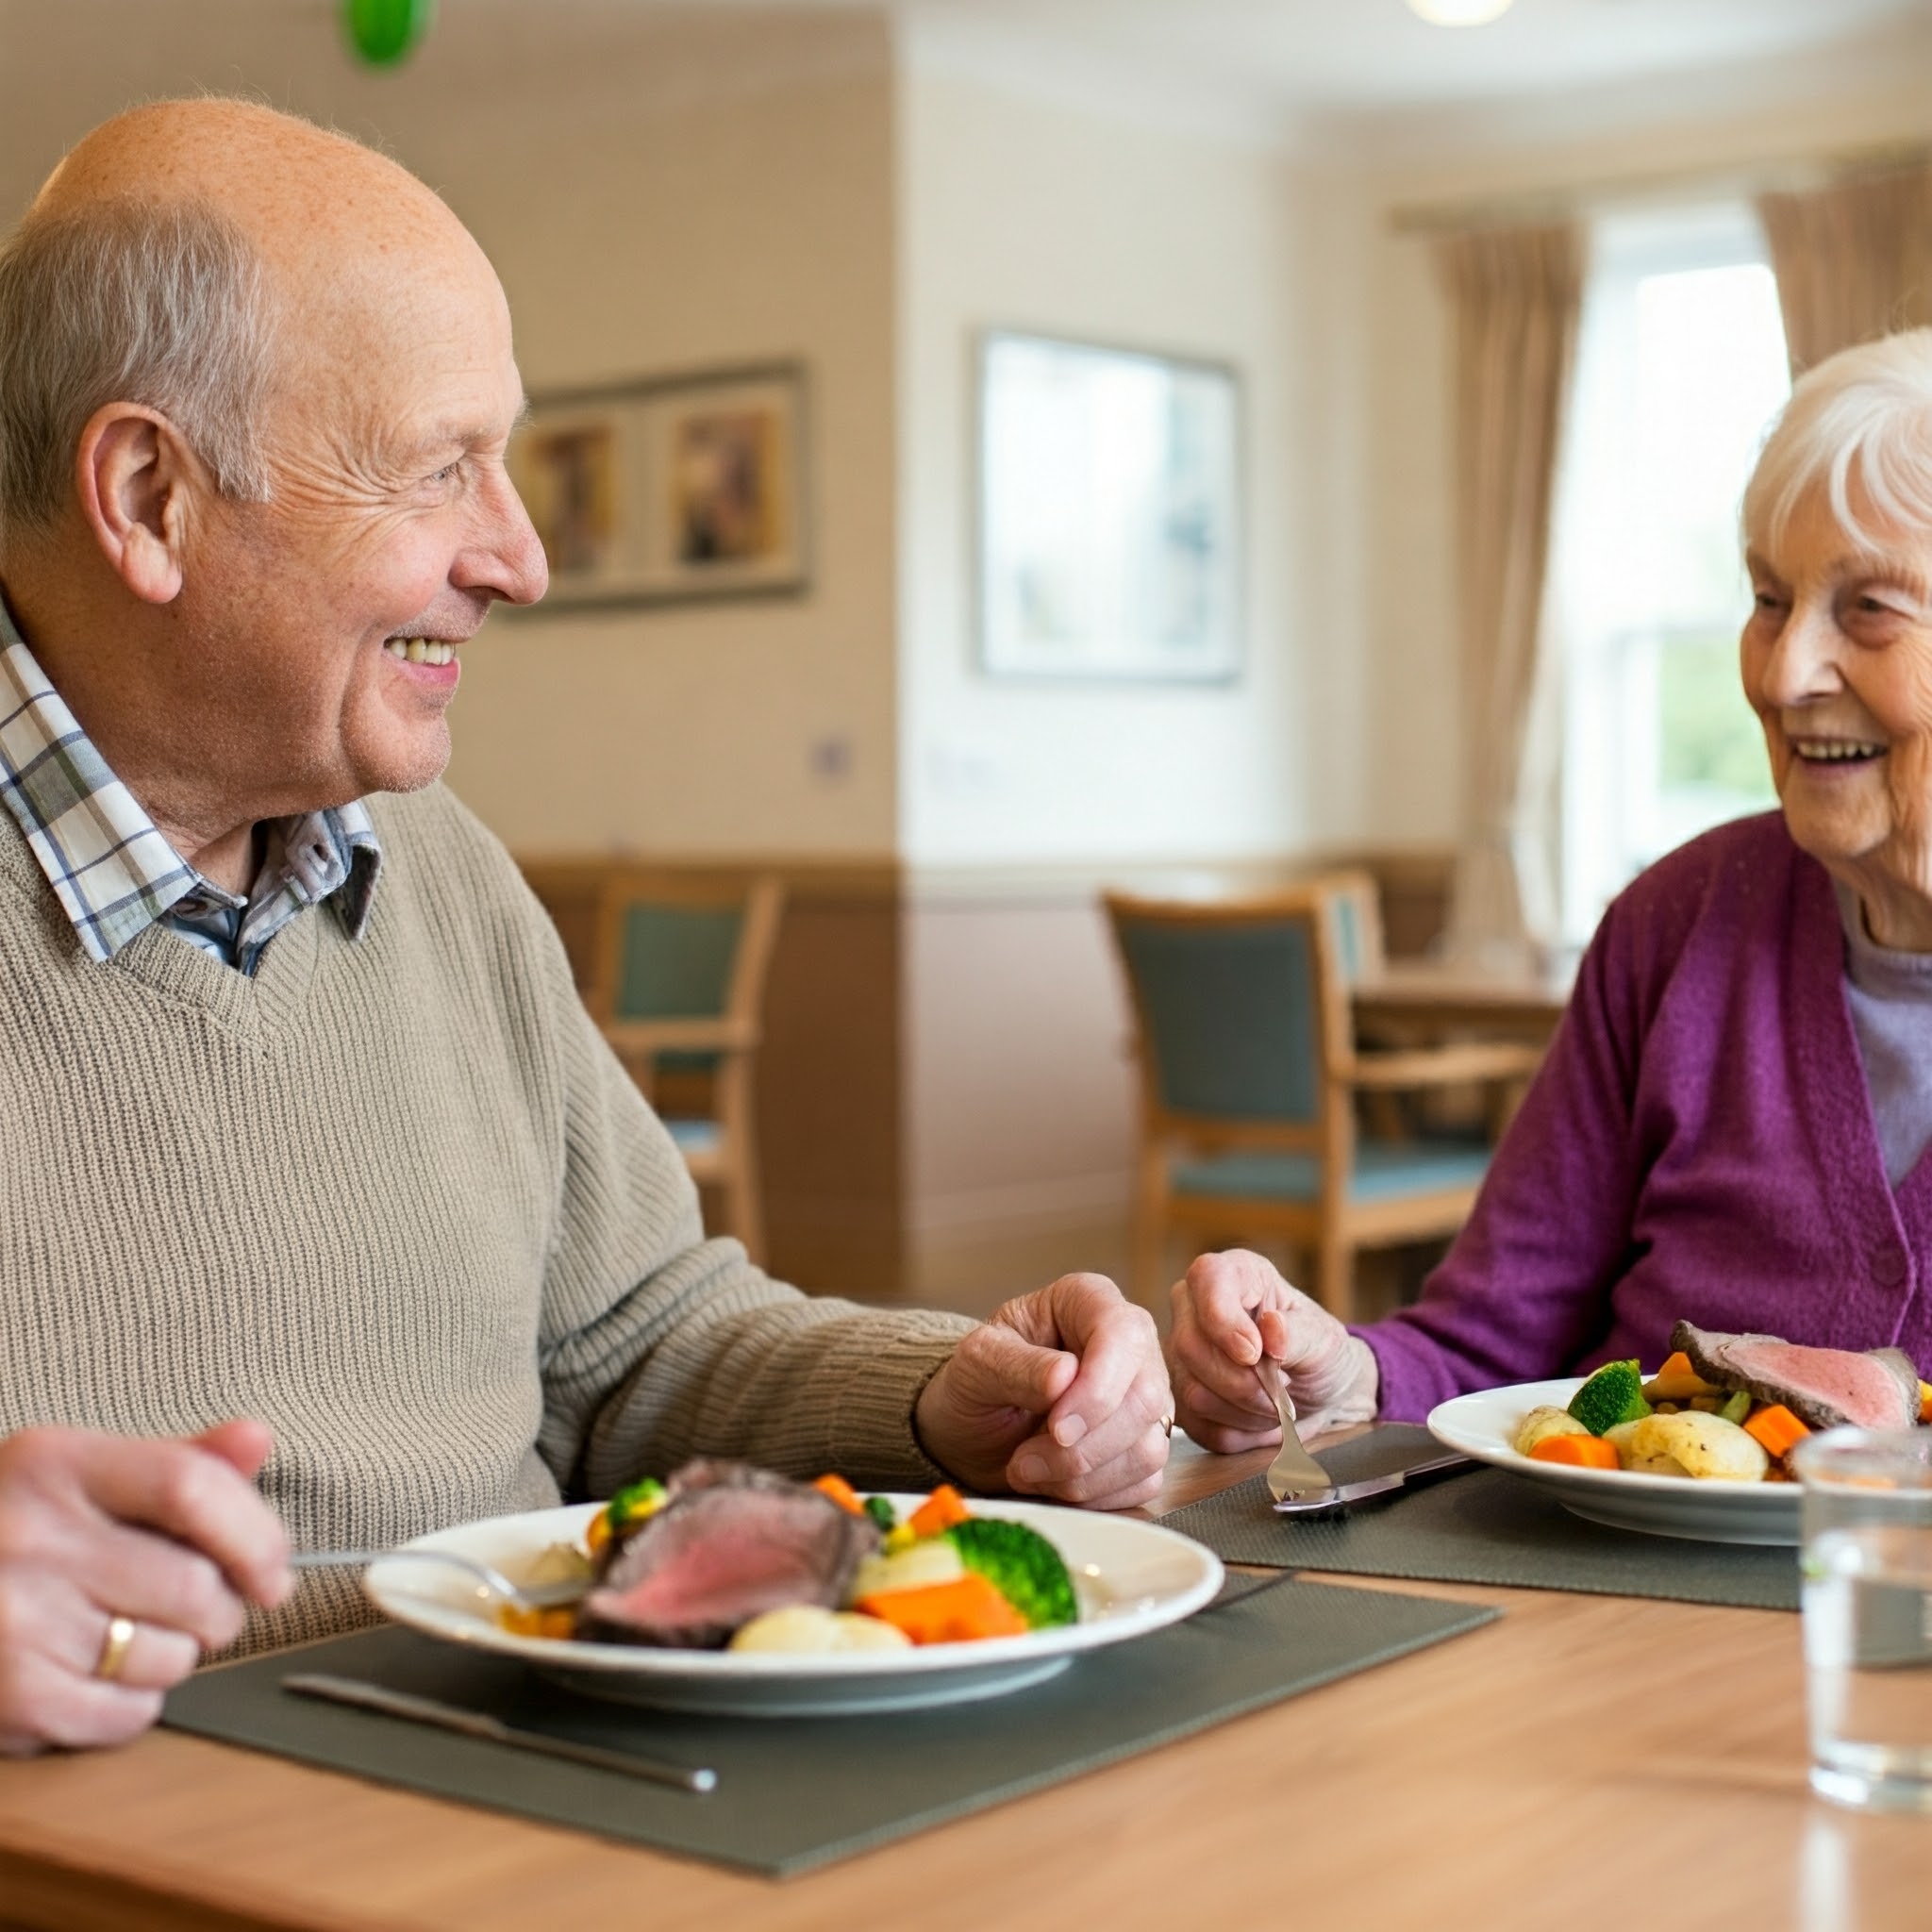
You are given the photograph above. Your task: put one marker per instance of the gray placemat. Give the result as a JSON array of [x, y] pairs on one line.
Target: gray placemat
[[1485, 1528], [797, 1792]]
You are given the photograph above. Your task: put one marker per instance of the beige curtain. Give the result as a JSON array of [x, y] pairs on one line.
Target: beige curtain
[[1852, 260], [1515, 298]]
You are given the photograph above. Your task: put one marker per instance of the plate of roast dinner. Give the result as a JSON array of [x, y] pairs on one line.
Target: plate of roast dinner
[[1699, 1447], [729, 1589]]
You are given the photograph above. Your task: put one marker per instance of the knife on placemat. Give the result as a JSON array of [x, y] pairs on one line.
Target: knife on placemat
[[1324, 1502], [477, 1723]]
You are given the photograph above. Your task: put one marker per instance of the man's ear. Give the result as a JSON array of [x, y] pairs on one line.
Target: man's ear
[[136, 478]]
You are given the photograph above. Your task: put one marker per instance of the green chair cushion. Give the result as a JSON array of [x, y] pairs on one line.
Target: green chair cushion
[[1384, 1171], [1230, 1016], [675, 963], [694, 1137]]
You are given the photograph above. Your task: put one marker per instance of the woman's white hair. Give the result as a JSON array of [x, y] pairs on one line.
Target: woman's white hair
[[1859, 430], [167, 304]]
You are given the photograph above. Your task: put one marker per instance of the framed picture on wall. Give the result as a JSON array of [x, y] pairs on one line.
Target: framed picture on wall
[[1110, 513], [669, 488]]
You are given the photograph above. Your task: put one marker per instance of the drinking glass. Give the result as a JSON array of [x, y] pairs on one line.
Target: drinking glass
[[1868, 1614]]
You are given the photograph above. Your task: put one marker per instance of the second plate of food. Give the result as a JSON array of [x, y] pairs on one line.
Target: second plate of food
[[1131, 1577], [1484, 1426]]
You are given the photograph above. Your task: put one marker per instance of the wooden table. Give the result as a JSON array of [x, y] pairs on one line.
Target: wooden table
[[1582, 1761], [1414, 1002]]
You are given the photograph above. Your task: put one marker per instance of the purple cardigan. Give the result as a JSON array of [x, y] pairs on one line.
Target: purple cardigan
[[1699, 1143]]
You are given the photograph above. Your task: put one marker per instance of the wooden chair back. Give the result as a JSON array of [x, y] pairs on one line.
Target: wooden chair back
[[677, 983], [1242, 1011]]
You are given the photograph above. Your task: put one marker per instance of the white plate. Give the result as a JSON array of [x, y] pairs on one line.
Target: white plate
[[1132, 1577], [1485, 1425]]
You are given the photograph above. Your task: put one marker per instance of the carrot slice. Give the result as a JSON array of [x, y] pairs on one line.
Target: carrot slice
[[1777, 1430], [939, 1511], [841, 1492], [1579, 1452], [1926, 1402], [960, 1613]]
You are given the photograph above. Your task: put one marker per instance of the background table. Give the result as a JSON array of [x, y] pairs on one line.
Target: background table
[[1416, 1001], [1581, 1757]]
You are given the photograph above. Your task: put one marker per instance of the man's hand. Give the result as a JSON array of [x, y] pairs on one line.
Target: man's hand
[[1229, 1311], [172, 1536], [1063, 1393]]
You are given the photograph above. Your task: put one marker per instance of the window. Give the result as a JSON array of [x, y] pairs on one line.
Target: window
[[1680, 367]]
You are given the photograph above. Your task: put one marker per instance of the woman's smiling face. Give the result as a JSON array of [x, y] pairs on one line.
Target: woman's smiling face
[[1837, 660]]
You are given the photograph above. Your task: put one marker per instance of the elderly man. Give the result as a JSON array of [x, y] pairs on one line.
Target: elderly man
[[324, 1216]]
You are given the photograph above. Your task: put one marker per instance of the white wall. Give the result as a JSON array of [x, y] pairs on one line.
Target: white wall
[[661, 188], [741, 230], [1015, 212]]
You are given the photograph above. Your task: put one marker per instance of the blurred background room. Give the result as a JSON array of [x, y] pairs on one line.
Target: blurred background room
[[994, 453]]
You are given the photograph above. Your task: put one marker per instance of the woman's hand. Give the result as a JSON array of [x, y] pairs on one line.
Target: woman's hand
[[121, 1560], [1228, 1311]]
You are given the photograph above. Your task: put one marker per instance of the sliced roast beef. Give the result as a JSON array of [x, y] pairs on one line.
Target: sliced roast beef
[[1821, 1386], [731, 1542]]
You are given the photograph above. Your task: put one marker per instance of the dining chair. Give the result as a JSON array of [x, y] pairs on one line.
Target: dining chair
[[678, 994], [1250, 1079]]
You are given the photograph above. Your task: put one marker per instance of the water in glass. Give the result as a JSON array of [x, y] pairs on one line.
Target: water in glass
[[1868, 1615]]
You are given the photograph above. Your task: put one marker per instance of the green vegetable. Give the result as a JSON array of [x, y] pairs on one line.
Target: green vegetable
[[881, 1511], [633, 1503], [1614, 1394], [1737, 1407], [1022, 1565]]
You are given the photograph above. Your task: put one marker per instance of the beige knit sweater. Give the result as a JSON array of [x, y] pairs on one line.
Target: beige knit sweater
[[395, 1198]]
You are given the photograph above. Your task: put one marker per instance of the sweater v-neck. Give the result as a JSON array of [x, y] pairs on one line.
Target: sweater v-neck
[[241, 1004], [256, 1003]]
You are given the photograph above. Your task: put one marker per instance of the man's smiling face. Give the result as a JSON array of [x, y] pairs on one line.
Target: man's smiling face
[[1837, 660], [330, 618]]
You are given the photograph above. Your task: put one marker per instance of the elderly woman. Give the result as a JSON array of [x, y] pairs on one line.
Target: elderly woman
[[1732, 1122]]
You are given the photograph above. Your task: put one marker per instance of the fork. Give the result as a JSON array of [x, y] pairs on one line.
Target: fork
[[523, 1597], [1293, 1472]]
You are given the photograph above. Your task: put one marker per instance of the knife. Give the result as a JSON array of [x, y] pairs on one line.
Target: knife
[[477, 1723], [1324, 1502]]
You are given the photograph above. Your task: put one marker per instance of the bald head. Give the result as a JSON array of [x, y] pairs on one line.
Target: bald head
[[196, 257], [326, 215]]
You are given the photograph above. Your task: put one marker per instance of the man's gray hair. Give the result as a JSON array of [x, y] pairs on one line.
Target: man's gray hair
[[167, 304]]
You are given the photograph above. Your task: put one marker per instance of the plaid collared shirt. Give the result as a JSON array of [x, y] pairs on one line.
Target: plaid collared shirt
[[111, 869]]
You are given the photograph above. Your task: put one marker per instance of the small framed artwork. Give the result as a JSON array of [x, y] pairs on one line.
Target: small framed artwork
[[670, 489], [1110, 513]]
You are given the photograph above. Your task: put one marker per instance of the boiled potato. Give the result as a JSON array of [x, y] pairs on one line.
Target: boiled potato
[[807, 1628], [917, 1567], [1691, 1444], [1543, 1422]]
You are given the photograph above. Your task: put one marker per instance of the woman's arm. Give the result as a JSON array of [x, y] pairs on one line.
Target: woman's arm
[[1521, 1292]]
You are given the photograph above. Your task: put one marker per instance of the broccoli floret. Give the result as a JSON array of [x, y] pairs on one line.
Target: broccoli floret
[[1614, 1394], [633, 1503], [1022, 1565], [881, 1511]]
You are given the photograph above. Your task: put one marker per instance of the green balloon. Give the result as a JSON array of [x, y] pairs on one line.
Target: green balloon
[[386, 31]]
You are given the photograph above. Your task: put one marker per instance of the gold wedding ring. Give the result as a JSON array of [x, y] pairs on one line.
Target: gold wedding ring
[[114, 1648]]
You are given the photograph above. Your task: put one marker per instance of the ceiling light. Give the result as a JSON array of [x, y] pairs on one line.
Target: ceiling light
[[1458, 12]]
